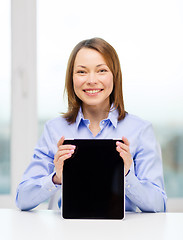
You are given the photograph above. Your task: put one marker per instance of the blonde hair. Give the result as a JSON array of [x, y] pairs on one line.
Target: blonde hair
[[112, 61]]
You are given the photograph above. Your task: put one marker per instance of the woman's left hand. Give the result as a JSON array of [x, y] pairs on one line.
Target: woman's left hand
[[124, 152]]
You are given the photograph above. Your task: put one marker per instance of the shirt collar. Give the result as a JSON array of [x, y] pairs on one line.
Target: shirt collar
[[113, 117], [79, 118]]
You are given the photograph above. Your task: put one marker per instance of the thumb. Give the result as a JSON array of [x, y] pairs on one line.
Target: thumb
[[61, 141]]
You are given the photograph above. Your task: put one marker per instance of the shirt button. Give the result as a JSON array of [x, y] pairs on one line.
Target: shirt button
[[128, 186], [50, 189]]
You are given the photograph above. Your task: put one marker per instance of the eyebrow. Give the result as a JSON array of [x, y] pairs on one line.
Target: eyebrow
[[99, 65], [81, 66]]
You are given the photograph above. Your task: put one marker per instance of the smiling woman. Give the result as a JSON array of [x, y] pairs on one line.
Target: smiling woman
[[96, 111], [93, 70]]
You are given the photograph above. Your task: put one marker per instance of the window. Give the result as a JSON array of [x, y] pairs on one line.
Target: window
[[150, 50], [5, 97], [18, 92]]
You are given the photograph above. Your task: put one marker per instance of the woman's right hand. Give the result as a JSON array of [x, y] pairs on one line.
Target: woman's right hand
[[64, 152]]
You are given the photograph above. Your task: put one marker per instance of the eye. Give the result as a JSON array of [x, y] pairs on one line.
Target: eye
[[102, 70], [81, 72]]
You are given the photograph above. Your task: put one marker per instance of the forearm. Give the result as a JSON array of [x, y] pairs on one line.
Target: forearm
[[34, 191], [147, 196]]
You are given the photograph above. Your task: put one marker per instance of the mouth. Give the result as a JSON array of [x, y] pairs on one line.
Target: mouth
[[92, 91]]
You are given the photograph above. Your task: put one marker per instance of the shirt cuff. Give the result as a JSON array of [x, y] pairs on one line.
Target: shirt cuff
[[49, 185], [130, 183]]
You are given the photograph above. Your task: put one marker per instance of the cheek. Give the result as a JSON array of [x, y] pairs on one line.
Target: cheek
[[109, 82], [76, 82], [77, 85]]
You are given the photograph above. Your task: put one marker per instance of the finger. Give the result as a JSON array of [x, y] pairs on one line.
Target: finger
[[59, 161], [119, 149], [61, 141], [62, 153], [65, 152], [125, 140], [63, 158], [66, 147], [122, 146], [124, 154]]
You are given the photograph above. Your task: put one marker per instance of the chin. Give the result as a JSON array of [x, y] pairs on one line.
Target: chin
[[96, 104]]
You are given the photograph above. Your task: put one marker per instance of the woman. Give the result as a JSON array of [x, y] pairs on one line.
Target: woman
[[96, 110]]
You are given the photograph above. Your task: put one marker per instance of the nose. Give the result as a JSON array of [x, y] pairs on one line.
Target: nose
[[92, 79]]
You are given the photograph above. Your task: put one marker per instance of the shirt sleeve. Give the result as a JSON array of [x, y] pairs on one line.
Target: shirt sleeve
[[37, 185], [144, 185]]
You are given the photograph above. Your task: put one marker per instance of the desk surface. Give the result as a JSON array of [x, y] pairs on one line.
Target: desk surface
[[48, 224]]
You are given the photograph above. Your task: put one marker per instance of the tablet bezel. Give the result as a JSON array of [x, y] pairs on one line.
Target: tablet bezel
[[96, 142]]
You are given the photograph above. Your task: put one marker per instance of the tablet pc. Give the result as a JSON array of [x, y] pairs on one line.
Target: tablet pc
[[93, 181]]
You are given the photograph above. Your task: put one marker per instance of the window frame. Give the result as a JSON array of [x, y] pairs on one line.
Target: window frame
[[23, 92]]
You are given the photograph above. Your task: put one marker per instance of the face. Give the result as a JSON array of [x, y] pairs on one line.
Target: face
[[92, 79]]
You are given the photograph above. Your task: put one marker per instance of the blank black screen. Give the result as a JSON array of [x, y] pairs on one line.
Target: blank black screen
[[93, 181]]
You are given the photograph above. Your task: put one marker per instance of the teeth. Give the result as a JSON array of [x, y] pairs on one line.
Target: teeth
[[92, 91]]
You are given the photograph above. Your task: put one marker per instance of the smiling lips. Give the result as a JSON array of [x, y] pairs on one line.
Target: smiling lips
[[92, 91]]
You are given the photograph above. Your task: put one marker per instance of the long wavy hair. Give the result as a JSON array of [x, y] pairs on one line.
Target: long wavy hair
[[112, 61]]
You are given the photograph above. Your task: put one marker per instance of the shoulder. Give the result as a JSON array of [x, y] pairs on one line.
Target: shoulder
[[57, 123], [138, 131], [135, 120], [57, 127], [134, 124], [57, 120]]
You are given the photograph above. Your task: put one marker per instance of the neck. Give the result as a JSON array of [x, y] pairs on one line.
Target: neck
[[95, 114]]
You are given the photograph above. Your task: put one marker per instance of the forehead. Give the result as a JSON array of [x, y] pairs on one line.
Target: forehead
[[87, 56]]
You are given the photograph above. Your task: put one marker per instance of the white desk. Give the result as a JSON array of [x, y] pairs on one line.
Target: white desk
[[48, 224]]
